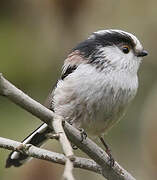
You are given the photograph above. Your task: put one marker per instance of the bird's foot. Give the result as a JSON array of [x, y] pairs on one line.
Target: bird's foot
[[83, 134], [108, 151], [111, 159], [74, 147]]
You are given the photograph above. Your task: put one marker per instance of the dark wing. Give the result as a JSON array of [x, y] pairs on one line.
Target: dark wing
[[68, 71], [72, 62], [70, 65]]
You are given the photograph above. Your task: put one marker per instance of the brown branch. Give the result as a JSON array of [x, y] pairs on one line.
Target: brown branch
[[43, 154], [66, 146]]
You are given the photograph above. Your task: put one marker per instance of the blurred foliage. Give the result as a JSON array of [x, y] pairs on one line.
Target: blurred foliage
[[36, 36]]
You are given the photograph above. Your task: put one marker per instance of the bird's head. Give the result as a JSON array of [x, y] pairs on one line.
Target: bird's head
[[116, 48]]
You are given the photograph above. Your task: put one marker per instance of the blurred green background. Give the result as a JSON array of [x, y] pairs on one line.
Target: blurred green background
[[35, 38]]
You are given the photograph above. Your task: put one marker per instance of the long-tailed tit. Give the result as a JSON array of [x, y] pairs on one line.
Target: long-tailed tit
[[98, 81]]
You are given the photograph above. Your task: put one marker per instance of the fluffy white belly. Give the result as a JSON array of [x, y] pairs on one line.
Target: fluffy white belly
[[88, 100]]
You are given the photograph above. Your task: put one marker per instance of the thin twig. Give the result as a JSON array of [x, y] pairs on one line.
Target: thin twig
[[89, 147], [66, 146], [43, 154]]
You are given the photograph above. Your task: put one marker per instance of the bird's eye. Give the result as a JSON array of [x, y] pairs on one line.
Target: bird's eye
[[126, 49]]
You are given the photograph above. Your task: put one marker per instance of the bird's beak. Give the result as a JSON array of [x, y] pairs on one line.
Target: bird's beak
[[142, 53]]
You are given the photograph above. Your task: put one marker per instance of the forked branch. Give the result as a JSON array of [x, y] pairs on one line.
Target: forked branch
[[43, 154]]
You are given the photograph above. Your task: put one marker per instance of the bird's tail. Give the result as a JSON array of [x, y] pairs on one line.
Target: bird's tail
[[36, 138]]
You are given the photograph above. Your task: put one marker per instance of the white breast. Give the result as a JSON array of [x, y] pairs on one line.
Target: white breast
[[94, 99]]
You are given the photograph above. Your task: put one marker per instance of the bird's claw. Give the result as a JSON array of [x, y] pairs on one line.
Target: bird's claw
[[74, 147], [108, 151], [83, 134], [111, 159]]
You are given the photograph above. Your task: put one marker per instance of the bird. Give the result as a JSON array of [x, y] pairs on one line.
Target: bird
[[98, 81]]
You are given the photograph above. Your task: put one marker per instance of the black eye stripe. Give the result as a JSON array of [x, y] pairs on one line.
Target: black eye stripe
[[89, 47]]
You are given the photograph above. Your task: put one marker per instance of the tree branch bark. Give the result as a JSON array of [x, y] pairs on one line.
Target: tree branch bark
[[44, 114], [66, 146], [43, 154]]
